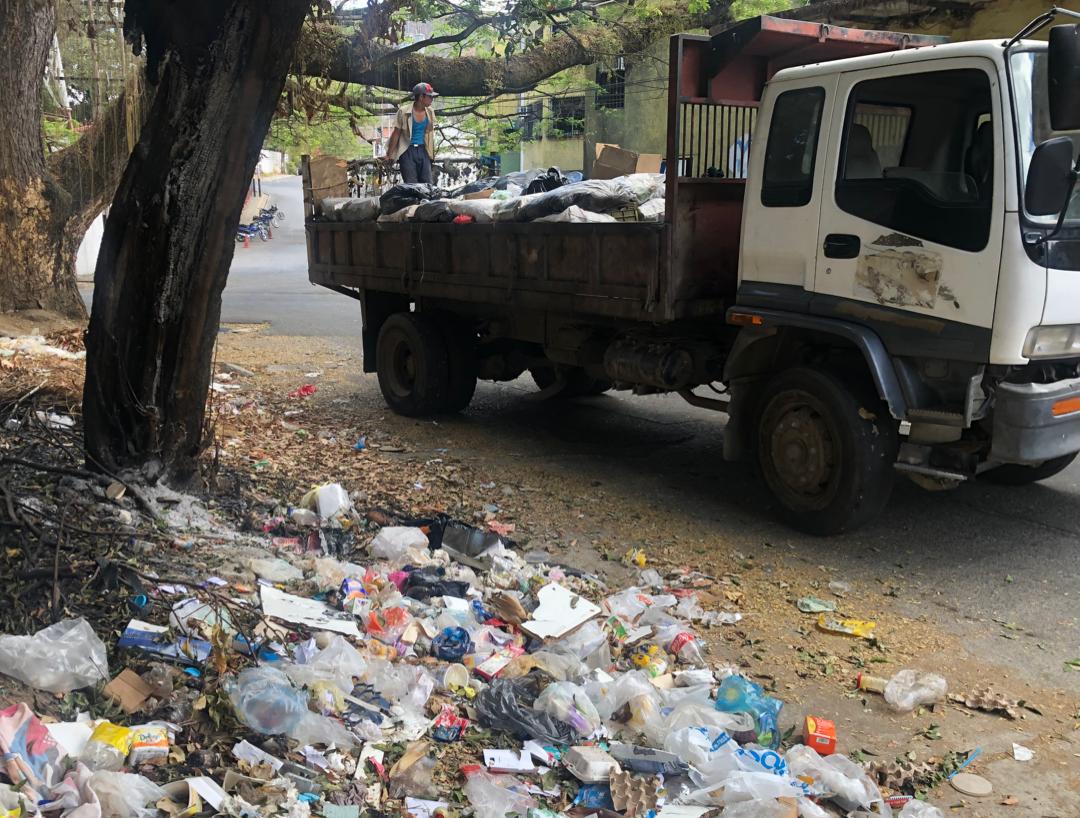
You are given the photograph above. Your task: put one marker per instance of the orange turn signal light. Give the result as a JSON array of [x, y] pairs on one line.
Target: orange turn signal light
[[745, 319], [1065, 407]]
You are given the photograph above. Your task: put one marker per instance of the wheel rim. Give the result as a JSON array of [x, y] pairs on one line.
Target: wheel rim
[[800, 451], [402, 372]]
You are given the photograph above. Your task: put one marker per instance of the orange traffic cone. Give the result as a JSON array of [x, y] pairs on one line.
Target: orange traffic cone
[[270, 232], [247, 243]]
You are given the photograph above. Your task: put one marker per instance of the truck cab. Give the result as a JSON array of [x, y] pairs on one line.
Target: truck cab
[[888, 212]]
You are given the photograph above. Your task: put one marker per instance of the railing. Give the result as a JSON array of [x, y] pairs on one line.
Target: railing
[[714, 138]]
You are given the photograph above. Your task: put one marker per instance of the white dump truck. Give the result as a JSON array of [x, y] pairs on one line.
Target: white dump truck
[[885, 281]]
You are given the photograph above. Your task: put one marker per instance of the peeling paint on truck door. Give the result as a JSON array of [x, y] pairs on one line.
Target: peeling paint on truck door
[[863, 254]]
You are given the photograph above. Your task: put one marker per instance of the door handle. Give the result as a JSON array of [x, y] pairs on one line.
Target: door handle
[[841, 245]]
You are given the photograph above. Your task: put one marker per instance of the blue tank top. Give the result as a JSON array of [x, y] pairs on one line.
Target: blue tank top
[[418, 130]]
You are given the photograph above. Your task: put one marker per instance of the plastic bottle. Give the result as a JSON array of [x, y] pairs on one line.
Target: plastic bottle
[[107, 748], [910, 688]]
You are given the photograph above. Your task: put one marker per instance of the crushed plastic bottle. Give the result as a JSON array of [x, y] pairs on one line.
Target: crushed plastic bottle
[[910, 688], [737, 694], [682, 643]]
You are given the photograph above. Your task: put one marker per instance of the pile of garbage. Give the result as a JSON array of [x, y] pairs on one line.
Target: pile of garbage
[[546, 196], [444, 672]]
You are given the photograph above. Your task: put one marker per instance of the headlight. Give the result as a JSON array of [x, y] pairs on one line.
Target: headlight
[[1052, 342]]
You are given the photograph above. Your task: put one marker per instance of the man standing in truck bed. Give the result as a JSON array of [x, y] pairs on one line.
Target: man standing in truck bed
[[412, 145]]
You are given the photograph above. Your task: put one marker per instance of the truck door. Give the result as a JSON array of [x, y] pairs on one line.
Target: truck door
[[908, 217]]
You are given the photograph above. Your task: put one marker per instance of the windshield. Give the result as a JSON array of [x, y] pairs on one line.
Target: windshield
[[1033, 115]]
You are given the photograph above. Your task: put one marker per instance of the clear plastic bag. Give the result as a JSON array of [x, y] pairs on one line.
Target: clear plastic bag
[[393, 542], [412, 774], [339, 662], [849, 784], [312, 728], [266, 701], [568, 703], [60, 658], [910, 688], [125, 795], [612, 696], [495, 796], [275, 570]]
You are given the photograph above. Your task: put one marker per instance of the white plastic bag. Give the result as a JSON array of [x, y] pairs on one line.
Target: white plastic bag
[[910, 688], [393, 542], [125, 795], [338, 662], [275, 570], [575, 215], [849, 784], [920, 809], [495, 796], [568, 703], [60, 658]]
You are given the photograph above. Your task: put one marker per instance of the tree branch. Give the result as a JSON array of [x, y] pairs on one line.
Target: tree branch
[[354, 60]]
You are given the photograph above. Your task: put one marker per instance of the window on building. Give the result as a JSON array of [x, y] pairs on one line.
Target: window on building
[[531, 117], [612, 91], [788, 180], [567, 116], [917, 156]]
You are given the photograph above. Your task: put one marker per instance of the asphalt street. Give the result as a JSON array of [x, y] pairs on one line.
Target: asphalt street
[[996, 566]]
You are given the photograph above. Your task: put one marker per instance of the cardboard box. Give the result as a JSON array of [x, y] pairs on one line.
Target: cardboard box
[[612, 161], [820, 734], [480, 194], [128, 690]]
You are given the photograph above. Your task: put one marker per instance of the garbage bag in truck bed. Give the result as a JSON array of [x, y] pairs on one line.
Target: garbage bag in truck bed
[[351, 210], [406, 194], [594, 195]]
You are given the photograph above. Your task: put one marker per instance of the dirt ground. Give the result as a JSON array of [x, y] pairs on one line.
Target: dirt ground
[[543, 477]]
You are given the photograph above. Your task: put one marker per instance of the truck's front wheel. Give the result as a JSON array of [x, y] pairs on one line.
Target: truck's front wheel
[[411, 362], [826, 454]]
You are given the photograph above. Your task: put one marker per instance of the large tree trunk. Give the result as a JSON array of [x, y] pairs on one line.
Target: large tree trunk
[[34, 210], [219, 67], [47, 203]]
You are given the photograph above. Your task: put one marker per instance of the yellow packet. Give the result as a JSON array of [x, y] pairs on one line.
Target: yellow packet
[[113, 735], [849, 627]]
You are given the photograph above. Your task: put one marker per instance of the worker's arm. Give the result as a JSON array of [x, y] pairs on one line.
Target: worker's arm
[[391, 149]]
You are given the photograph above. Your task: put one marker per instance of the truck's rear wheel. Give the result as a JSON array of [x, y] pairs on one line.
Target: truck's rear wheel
[[411, 361], [825, 454], [1016, 474], [579, 384], [460, 340]]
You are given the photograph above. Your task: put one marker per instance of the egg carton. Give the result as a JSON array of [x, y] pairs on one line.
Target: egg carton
[[634, 795], [900, 775], [988, 701]]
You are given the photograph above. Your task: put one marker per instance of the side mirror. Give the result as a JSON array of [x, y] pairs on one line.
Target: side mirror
[[1050, 177], [1063, 80]]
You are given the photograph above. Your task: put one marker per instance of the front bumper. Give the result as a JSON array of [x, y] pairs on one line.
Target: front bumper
[[1025, 427]]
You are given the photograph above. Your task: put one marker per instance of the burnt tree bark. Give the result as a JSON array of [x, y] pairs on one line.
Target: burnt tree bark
[[218, 67], [46, 202]]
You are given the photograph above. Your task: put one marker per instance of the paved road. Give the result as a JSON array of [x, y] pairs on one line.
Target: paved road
[[268, 280], [966, 558]]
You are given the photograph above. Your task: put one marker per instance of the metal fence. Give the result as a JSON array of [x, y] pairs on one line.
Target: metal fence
[[714, 139]]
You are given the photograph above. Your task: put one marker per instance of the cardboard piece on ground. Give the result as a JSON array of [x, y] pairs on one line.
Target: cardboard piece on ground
[[309, 612], [612, 161], [480, 194], [129, 690], [560, 611]]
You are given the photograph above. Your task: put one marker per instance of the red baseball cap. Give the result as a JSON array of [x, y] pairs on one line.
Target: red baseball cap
[[424, 89]]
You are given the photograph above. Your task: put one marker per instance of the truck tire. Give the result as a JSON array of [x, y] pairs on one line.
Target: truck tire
[[826, 451], [578, 383], [411, 361], [1016, 474], [460, 340]]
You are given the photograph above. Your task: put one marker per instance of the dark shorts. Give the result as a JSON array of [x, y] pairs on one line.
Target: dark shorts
[[415, 165]]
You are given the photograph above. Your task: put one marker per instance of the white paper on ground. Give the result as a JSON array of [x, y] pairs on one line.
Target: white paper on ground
[[369, 751], [208, 788], [508, 761], [560, 611], [309, 612], [1022, 753], [71, 735], [246, 751], [685, 811]]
